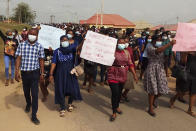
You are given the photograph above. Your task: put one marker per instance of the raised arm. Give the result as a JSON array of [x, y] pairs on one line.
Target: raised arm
[[2, 36], [163, 48]]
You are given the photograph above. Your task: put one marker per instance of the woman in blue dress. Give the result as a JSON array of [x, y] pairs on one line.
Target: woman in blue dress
[[66, 84]]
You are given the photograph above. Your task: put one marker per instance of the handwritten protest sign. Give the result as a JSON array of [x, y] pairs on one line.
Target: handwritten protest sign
[[185, 37], [99, 48], [50, 37]]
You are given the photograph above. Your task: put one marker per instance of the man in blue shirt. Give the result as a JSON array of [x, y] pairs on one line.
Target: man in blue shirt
[[30, 60]]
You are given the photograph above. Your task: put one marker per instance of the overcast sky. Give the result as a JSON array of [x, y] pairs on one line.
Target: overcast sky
[[153, 11]]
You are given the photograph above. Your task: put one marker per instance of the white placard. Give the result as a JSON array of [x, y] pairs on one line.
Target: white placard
[[99, 48], [50, 36]]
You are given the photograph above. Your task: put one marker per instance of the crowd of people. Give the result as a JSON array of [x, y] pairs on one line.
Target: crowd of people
[[150, 55]]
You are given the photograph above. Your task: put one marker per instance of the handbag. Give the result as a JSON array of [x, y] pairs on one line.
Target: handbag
[[180, 72], [77, 70]]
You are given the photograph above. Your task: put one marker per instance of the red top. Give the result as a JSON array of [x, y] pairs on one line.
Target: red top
[[123, 61], [131, 54]]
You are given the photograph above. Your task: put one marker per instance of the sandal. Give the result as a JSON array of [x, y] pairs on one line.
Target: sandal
[[112, 118], [191, 113], [62, 113], [151, 113], [70, 108], [171, 103]]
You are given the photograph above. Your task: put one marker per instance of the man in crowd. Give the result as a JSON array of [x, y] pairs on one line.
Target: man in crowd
[[30, 60]]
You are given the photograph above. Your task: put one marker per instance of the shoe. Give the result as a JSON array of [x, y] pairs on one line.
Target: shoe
[[27, 109], [35, 121], [151, 113], [155, 104], [7, 82], [70, 108], [12, 81], [112, 118], [120, 112], [62, 113], [181, 100], [102, 83], [191, 113]]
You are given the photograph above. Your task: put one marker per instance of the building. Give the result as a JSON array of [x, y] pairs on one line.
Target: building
[[109, 20], [141, 25]]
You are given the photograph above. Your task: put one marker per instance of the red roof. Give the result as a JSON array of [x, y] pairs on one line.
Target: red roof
[[108, 19], [167, 27]]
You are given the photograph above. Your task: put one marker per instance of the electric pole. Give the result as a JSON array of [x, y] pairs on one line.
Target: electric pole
[[102, 6], [52, 17], [177, 19], [8, 10]]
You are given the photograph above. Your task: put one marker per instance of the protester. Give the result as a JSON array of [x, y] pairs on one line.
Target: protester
[[30, 60], [66, 84], [155, 81], [130, 83], [141, 42], [116, 80], [188, 60], [47, 65], [24, 34], [10, 46], [89, 71], [167, 52], [17, 36], [145, 57]]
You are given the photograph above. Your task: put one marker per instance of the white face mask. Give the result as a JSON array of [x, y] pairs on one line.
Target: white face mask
[[77, 32], [158, 44], [65, 44], [32, 38], [126, 45], [164, 38], [10, 37], [169, 36], [69, 36]]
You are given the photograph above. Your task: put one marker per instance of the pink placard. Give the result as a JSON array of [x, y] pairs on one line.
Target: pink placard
[[185, 37]]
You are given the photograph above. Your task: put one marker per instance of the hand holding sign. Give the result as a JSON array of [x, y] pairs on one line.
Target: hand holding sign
[[99, 48]]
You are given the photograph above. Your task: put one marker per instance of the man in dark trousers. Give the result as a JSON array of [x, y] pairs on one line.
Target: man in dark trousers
[[30, 60]]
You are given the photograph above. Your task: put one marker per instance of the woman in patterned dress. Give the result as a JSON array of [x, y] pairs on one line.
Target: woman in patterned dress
[[155, 80]]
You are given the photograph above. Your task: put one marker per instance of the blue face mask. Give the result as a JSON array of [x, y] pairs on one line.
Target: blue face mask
[[65, 44], [149, 40], [158, 44], [144, 37], [121, 46]]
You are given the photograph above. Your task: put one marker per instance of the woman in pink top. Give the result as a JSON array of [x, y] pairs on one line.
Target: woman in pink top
[[117, 75]]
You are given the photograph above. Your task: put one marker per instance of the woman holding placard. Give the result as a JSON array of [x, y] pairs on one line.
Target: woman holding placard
[[117, 75]]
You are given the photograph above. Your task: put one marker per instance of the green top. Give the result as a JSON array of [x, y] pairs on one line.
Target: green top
[[168, 51]]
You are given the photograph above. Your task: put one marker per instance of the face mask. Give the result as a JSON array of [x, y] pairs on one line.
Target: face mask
[[135, 35], [32, 38], [69, 36], [126, 45], [77, 32], [24, 29], [13, 33], [148, 32], [144, 37], [65, 44], [149, 40], [121, 46], [10, 37], [164, 38], [158, 44], [169, 36]]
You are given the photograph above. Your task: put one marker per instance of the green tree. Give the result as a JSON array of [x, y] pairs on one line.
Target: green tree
[[23, 13]]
